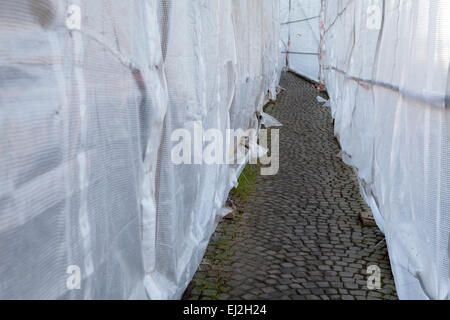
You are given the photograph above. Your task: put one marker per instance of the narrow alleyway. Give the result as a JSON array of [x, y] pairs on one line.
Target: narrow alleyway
[[298, 235]]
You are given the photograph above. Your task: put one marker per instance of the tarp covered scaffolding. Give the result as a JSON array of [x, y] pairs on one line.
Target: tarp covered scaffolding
[[90, 93], [386, 68], [300, 36]]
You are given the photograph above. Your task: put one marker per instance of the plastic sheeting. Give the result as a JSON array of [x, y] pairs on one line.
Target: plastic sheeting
[[386, 68], [90, 93], [300, 36]]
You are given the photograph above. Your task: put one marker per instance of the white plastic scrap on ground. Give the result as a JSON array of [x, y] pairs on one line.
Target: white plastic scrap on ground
[[324, 102]]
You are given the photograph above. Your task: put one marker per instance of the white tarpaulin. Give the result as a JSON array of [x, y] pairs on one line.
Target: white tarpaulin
[[90, 94], [300, 36], [92, 91], [386, 68]]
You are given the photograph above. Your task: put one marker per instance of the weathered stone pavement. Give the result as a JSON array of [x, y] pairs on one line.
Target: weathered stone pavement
[[298, 235]]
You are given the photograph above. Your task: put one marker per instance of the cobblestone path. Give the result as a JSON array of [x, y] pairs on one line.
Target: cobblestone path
[[298, 235]]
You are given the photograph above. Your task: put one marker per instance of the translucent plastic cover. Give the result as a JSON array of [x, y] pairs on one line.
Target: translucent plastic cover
[[90, 94], [300, 36], [386, 68]]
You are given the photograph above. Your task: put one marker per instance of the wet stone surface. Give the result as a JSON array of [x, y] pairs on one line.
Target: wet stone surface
[[297, 236]]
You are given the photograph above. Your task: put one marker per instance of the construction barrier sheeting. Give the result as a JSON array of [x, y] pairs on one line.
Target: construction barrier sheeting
[[300, 36], [91, 92], [386, 67]]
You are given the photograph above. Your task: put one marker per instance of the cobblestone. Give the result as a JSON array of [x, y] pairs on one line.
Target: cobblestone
[[297, 236]]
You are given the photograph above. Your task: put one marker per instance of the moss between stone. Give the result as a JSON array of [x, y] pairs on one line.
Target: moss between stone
[[246, 182], [215, 270]]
